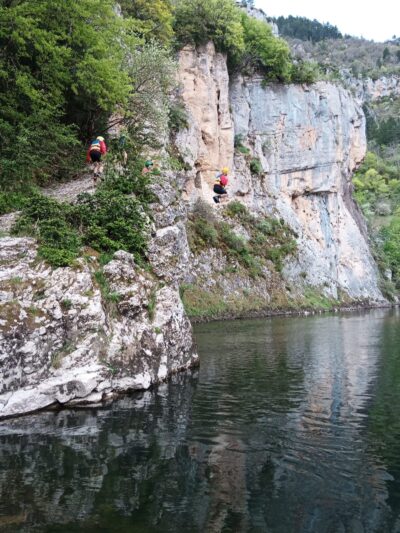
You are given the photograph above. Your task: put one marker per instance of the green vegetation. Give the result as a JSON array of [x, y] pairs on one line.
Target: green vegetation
[[65, 71], [306, 29], [340, 58], [153, 19], [239, 146], [151, 306], [383, 124], [255, 166], [205, 303], [377, 191], [200, 21], [106, 292], [60, 70], [178, 118], [248, 42], [12, 201], [269, 239], [115, 217], [377, 186], [202, 303], [66, 304]]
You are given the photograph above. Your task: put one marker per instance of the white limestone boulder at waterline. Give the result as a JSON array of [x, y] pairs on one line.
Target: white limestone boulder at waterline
[[63, 342]]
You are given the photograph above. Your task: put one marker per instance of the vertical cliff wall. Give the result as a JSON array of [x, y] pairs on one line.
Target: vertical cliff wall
[[308, 141]]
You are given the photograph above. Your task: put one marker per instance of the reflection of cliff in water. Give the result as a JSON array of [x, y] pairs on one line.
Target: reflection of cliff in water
[[73, 465], [316, 476], [273, 435]]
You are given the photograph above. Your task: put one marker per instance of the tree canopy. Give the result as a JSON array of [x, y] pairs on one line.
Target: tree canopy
[[61, 73], [306, 29]]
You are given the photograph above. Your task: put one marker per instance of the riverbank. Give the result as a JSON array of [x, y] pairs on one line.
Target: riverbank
[[208, 308]]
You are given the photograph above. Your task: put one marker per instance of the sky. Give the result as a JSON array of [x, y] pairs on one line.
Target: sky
[[378, 20]]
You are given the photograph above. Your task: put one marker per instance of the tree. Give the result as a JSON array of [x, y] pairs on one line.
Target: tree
[[263, 51], [306, 30], [386, 54], [154, 19], [145, 114], [200, 21], [62, 71]]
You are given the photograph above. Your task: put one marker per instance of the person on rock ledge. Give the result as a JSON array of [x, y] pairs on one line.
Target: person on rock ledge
[[96, 150], [148, 167], [221, 181]]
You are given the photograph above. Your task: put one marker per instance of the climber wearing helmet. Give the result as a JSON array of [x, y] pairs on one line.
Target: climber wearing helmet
[[221, 181], [96, 150], [148, 167]]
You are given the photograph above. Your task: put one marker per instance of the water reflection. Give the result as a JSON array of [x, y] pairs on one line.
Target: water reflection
[[289, 425]]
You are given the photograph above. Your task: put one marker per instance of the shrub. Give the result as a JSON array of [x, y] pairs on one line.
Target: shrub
[[12, 201], [62, 69], [114, 218], [236, 208], [200, 21], [304, 72], [178, 118], [263, 51], [249, 43], [256, 167], [202, 209], [206, 231]]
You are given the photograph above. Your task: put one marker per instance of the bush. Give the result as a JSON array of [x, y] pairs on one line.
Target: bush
[[263, 51], [236, 209], [249, 43], [390, 247], [256, 167], [206, 231], [376, 183], [178, 118], [114, 218], [304, 72], [12, 201], [200, 21], [268, 238]]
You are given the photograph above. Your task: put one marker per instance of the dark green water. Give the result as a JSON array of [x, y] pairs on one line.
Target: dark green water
[[289, 425]]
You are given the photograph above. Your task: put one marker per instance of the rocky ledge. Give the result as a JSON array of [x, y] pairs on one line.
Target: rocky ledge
[[82, 334]]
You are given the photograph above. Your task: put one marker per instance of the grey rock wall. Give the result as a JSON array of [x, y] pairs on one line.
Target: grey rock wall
[[308, 140], [368, 90]]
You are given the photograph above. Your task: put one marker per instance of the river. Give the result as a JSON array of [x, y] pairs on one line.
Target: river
[[289, 425]]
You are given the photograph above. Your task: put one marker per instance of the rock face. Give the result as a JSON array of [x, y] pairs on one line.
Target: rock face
[[369, 90], [62, 341], [308, 141], [207, 145]]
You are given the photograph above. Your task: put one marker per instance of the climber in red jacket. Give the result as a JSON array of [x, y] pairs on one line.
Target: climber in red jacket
[[95, 152], [221, 181]]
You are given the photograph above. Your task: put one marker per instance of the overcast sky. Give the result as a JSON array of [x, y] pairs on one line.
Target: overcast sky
[[378, 20]]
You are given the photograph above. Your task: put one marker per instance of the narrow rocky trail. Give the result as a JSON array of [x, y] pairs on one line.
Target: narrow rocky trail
[[69, 191]]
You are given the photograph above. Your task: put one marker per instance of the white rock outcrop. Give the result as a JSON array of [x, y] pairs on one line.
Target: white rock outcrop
[[308, 141], [64, 342]]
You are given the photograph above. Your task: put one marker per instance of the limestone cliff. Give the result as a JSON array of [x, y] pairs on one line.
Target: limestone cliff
[[84, 333], [367, 90], [308, 141]]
